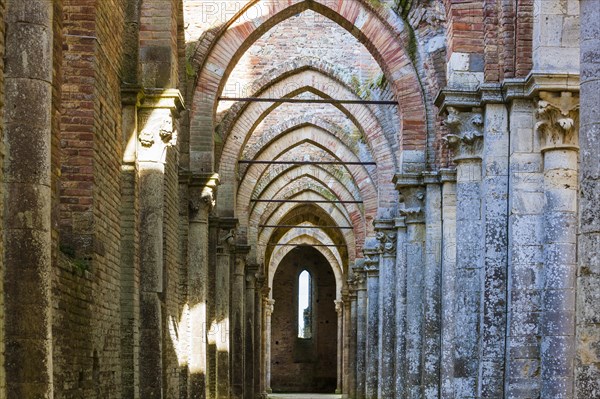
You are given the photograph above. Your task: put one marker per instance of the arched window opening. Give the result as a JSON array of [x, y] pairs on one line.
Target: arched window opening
[[304, 306]]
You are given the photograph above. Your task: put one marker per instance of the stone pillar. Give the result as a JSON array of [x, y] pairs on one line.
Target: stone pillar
[[130, 264], [26, 348], [259, 354], [352, 300], [361, 330], [157, 133], [588, 286], [201, 202], [237, 322], [466, 140], [432, 298], [372, 270], [249, 330], [401, 322], [386, 235], [494, 243], [269, 305], [339, 310], [413, 193], [448, 290], [558, 128], [225, 248], [264, 295], [347, 340], [526, 199]]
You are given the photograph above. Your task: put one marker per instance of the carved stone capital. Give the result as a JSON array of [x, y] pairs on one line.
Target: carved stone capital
[[466, 133], [269, 305], [412, 197], [339, 306], [203, 191], [386, 236], [371, 266], [558, 120], [356, 282]]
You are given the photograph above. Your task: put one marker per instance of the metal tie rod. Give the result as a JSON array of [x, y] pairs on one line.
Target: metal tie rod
[[289, 226], [307, 101], [251, 162], [307, 245], [306, 201]]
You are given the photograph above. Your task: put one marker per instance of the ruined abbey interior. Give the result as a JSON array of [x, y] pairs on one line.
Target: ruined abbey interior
[[358, 199]]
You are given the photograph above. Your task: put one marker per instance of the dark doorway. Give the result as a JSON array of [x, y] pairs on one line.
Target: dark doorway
[[304, 324]]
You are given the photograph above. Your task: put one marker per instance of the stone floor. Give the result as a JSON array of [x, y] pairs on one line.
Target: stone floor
[[303, 396]]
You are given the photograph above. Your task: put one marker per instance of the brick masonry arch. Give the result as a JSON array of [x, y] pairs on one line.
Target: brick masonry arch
[[360, 20], [331, 254], [336, 214], [246, 125]]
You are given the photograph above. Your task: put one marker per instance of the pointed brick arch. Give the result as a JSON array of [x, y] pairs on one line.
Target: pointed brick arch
[[386, 44]]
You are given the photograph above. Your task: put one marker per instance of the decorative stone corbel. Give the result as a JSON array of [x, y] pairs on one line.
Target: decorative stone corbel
[[412, 194], [202, 194], [157, 116], [558, 120], [387, 237], [466, 133], [371, 261]]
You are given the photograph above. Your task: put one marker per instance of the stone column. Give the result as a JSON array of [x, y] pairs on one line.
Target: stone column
[[348, 368], [413, 193], [265, 335], [269, 305], [249, 331], [225, 248], [372, 270], [386, 235], [494, 243], [432, 298], [466, 141], [339, 310], [352, 300], [237, 322], [558, 128], [130, 265], [448, 179], [26, 347], [401, 322], [259, 354], [588, 286], [157, 133], [201, 202], [525, 262], [361, 330]]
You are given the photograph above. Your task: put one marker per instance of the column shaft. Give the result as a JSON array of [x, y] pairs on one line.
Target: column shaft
[[26, 350], [432, 288], [587, 372], [401, 322], [222, 312], [361, 335], [197, 298], [372, 358], [495, 246], [151, 256], [352, 345], [269, 307], [387, 307], [448, 286], [339, 309], [237, 323], [249, 337], [522, 374]]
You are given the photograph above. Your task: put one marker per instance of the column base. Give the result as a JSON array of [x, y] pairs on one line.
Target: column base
[[338, 391]]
